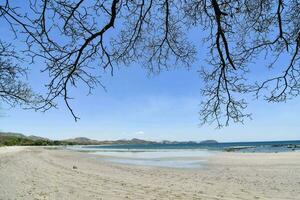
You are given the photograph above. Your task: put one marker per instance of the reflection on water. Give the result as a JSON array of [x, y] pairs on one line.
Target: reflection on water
[[157, 158], [187, 158], [152, 154]]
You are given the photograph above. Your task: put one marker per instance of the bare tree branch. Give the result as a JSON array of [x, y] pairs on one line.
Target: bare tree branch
[[76, 38]]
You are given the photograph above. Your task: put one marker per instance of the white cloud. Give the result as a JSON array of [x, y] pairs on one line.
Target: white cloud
[[140, 133]]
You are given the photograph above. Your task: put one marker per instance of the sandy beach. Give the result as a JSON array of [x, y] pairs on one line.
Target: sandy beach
[[42, 173]]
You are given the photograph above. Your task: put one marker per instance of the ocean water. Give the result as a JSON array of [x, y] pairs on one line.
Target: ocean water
[[269, 146], [180, 155], [156, 157]]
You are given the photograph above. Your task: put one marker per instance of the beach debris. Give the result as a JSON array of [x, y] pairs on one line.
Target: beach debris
[[75, 167]]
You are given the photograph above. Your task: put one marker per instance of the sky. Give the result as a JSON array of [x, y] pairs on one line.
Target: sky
[[164, 107], [161, 107]]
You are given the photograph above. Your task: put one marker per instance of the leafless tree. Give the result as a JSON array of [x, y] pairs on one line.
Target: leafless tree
[[77, 37], [13, 89]]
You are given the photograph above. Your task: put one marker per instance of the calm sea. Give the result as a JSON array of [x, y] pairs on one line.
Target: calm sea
[[180, 155], [269, 146]]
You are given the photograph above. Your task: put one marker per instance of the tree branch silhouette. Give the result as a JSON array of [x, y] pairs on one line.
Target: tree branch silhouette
[[76, 38]]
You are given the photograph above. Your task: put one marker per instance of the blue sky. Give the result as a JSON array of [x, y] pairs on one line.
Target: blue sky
[[156, 108], [160, 107]]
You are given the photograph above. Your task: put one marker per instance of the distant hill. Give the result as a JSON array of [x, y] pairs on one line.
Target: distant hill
[[82, 141], [208, 142], [13, 139], [9, 139], [33, 137], [134, 141], [87, 141], [12, 134], [189, 142], [19, 135]]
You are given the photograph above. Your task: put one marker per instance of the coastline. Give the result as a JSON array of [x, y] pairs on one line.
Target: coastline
[[50, 173]]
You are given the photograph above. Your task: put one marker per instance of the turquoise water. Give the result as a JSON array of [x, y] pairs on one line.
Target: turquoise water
[[180, 155]]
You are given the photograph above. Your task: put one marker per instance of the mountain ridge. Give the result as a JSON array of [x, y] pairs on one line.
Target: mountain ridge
[[10, 138]]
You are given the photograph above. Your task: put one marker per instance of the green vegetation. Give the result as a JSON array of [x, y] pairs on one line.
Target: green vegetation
[[21, 141], [17, 139]]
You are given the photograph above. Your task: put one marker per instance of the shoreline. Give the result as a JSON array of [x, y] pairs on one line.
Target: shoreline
[[11, 149], [51, 173]]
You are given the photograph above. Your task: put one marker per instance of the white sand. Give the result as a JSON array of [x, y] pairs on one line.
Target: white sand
[[38, 173], [11, 149]]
